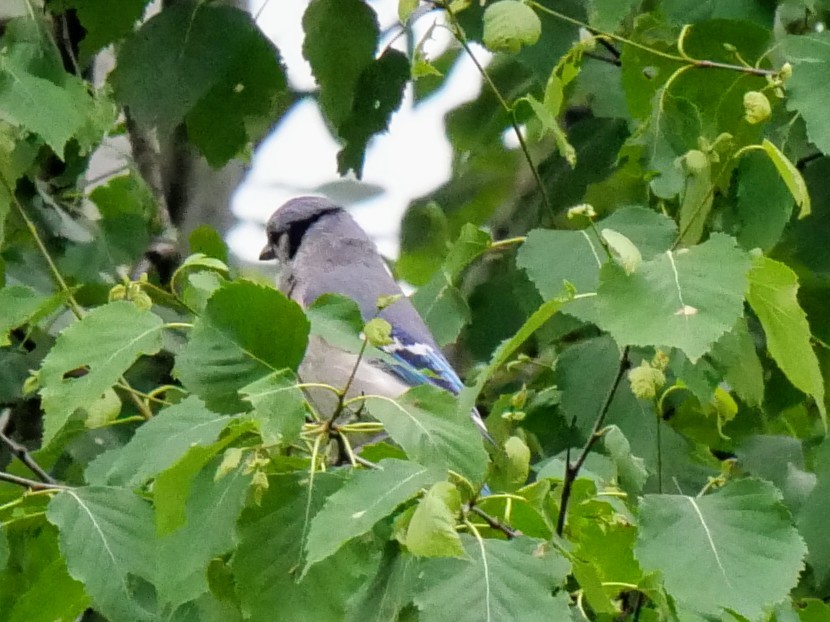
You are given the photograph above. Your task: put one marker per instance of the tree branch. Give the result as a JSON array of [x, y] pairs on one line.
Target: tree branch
[[21, 452], [572, 470], [495, 523], [29, 483]]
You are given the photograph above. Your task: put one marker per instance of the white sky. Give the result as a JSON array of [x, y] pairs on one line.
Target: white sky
[[300, 156]]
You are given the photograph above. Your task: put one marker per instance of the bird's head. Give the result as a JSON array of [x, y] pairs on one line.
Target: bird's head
[[289, 224]]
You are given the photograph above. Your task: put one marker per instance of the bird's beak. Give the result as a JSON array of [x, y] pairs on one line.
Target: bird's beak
[[267, 253]]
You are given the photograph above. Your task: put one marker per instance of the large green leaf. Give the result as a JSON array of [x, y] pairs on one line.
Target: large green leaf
[[213, 507], [773, 289], [209, 65], [158, 444], [268, 562], [102, 345], [499, 581], [106, 536], [426, 422], [551, 257], [340, 41], [247, 331], [685, 299], [722, 564], [365, 499]]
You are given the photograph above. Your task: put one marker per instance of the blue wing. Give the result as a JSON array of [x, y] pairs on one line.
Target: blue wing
[[420, 363]]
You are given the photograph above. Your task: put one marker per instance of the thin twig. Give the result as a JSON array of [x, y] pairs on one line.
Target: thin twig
[[21, 452], [30, 483], [702, 64], [572, 470], [496, 523], [511, 113]]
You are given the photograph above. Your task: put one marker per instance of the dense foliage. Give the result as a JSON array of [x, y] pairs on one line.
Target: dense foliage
[[632, 260]]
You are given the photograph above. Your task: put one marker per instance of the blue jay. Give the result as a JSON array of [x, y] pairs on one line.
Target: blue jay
[[321, 249]]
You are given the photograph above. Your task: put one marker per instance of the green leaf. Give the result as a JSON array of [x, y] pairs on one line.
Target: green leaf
[[431, 531], [685, 299], [735, 357], [510, 25], [812, 518], [279, 407], [389, 590], [205, 64], [607, 15], [246, 332], [698, 195], [672, 131], [806, 89], [631, 470], [340, 41], [426, 422], [206, 240], [18, 305], [105, 343], [552, 257], [623, 249], [378, 94], [241, 106], [425, 240], [105, 22], [690, 11], [772, 294], [213, 507], [791, 177], [268, 560], [365, 499], [106, 535], [171, 487], [722, 563], [500, 580], [53, 112], [158, 444], [54, 595], [443, 308], [780, 460], [764, 203]]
